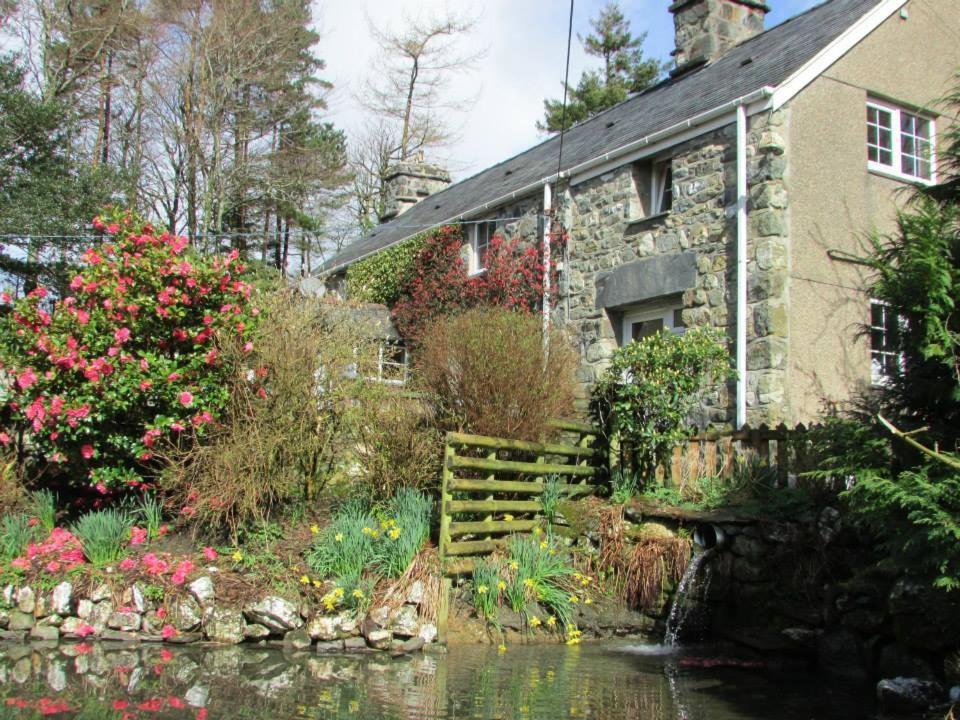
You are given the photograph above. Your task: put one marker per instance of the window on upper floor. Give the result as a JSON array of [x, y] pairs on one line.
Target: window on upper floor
[[885, 358], [900, 142], [480, 234], [643, 321], [654, 185]]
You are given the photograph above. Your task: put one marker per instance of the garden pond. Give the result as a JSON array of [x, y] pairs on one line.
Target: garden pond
[[604, 681]]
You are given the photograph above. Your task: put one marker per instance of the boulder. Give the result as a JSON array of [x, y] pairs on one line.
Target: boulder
[[184, 614], [428, 632], [348, 625], [153, 623], [275, 613], [134, 597], [416, 593], [26, 600], [84, 608], [224, 625], [42, 606], [124, 621], [405, 622], [379, 639], [61, 599], [902, 695], [100, 616], [255, 631], [412, 645], [71, 625], [202, 590], [324, 628], [298, 639], [352, 644], [44, 632], [330, 646], [20, 620], [101, 592]]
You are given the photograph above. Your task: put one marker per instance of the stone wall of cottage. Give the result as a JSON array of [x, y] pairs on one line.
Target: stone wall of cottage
[[606, 234]]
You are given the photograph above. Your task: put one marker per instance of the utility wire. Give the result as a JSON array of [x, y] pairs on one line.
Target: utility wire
[[566, 83]]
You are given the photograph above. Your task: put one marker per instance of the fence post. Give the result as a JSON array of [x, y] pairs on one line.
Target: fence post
[[443, 610]]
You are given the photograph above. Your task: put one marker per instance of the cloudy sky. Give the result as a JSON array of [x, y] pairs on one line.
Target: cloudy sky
[[525, 43]]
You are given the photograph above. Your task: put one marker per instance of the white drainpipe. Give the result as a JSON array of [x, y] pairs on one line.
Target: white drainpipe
[[547, 205], [741, 338]]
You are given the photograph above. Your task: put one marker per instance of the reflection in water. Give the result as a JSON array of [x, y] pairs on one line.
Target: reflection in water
[[602, 682]]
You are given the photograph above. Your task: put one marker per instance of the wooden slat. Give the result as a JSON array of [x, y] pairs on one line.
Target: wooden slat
[[512, 486], [458, 462], [492, 506], [573, 426], [491, 526], [484, 441], [474, 547], [459, 566]]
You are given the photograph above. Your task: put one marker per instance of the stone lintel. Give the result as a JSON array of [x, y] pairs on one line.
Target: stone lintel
[[646, 279]]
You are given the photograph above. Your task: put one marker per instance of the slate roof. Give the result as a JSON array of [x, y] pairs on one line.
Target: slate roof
[[764, 60]]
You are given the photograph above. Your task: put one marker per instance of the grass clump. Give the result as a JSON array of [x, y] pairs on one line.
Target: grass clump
[[486, 589], [346, 546], [43, 505], [551, 496], [403, 532], [542, 573], [15, 534], [624, 485], [103, 535], [150, 511]]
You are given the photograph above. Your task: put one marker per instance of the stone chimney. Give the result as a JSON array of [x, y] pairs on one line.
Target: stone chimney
[[410, 181], [706, 29]]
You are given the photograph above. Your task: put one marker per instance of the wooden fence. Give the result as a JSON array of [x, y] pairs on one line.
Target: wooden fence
[[491, 488]]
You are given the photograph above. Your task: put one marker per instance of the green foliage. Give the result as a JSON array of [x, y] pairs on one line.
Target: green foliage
[[150, 511], [15, 534], [624, 485], [485, 588], [540, 572], [403, 531], [625, 71], [345, 547], [380, 277], [651, 386], [43, 506], [551, 496], [103, 534]]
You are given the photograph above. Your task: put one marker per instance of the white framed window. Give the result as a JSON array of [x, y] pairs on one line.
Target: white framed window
[[900, 142], [661, 187], [642, 322], [885, 358], [481, 235], [392, 365]]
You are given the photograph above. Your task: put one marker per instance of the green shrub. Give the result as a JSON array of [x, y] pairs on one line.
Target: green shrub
[[651, 387], [15, 534], [345, 548], [403, 532], [103, 534], [485, 371], [624, 485], [380, 277], [43, 505]]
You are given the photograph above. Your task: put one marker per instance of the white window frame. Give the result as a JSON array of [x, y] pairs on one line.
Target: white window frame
[[895, 168], [384, 362], [661, 181], [665, 312], [877, 376], [479, 231]]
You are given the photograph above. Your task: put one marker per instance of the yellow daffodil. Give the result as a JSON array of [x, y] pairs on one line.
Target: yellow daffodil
[[501, 585], [317, 583], [367, 531], [514, 565], [587, 601], [358, 593], [543, 544], [508, 518], [482, 589], [237, 556], [551, 621], [574, 599], [537, 531], [338, 537], [304, 580], [374, 533], [534, 621], [394, 533], [529, 582], [501, 648], [315, 529]]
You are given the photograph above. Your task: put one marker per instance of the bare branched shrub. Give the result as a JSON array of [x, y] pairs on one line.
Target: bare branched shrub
[[293, 399], [488, 371], [12, 492]]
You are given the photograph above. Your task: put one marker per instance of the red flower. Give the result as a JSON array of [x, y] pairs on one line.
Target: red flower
[[87, 451], [186, 398]]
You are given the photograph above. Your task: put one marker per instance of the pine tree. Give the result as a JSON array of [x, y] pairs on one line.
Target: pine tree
[[625, 71]]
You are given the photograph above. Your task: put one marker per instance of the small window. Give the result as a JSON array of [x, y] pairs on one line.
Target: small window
[[900, 142], [392, 367], [642, 322], [662, 190], [885, 358], [481, 235]]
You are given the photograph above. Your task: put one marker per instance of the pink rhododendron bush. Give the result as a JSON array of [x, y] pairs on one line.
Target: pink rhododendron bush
[[93, 382]]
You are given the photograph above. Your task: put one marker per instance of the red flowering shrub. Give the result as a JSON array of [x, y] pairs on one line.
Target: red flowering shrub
[[94, 380], [439, 284]]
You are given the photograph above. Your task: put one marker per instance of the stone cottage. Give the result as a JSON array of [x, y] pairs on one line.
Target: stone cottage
[[736, 194]]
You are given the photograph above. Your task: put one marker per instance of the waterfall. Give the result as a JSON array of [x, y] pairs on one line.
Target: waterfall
[[680, 609]]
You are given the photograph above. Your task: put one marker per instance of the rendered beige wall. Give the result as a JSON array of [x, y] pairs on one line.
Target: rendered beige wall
[[834, 201]]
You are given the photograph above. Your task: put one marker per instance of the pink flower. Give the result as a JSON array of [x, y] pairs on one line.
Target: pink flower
[[128, 564], [186, 398], [144, 364], [178, 427], [33, 522], [145, 385], [210, 554], [27, 378], [83, 630], [161, 613], [122, 335], [247, 347], [5, 439], [113, 228], [87, 451], [178, 578], [101, 488], [168, 631], [83, 317], [21, 563], [138, 535]]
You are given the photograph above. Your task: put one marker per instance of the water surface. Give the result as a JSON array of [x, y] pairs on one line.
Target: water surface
[[608, 681]]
